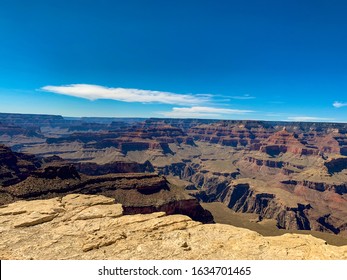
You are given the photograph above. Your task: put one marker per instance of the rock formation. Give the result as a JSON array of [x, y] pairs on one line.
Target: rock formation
[[15, 167], [23, 120], [336, 165], [93, 169], [137, 192], [296, 172], [94, 227]]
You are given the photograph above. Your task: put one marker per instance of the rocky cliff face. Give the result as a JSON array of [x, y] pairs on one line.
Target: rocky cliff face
[[299, 209], [23, 120], [274, 138], [137, 192], [12, 130], [15, 167], [224, 134], [140, 137], [283, 142], [242, 198], [93, 169], [336, 165], [94, 227]]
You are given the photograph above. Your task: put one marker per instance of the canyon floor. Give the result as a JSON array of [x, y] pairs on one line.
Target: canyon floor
[[224, 215]]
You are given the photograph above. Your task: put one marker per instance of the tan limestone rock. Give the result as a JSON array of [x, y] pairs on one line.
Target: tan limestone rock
[[93, 227]]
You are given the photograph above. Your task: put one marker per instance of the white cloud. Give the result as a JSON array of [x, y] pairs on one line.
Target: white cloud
[[197, 112], [338, 104], [308, 119], [94, 92], [243, 97]]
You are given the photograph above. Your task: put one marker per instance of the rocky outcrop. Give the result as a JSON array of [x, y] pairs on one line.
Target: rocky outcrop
[[137, 192], [294, 217], [140, 137], [242, 198], [94, 227], [63, 172], [283, 142], [88, 127], [336, 165], [224, 133], [114, 139], [272, 165], [15, 167], [12, 130], [90, 168], [326, 144], [324, 186], [189, 207], [158, 129], [327, 224], [294, 207], [274, 138], [266, 162], [339, 188], [184, 124], [27, 120], [179, 169]]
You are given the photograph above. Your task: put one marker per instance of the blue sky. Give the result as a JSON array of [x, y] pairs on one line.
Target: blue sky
[[245, 59]]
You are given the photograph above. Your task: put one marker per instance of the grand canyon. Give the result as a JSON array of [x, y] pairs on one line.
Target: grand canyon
[[171, 184]]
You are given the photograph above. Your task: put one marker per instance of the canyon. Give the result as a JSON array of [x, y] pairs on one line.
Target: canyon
[[292, 175]]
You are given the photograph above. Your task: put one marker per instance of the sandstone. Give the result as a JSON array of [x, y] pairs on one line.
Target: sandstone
[[100, 231], [34, 219]]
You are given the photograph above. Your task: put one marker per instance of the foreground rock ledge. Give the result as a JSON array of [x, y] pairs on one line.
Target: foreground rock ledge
[[93, 227]]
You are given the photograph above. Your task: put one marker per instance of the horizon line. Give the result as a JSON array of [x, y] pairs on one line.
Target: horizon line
[[165, 118]]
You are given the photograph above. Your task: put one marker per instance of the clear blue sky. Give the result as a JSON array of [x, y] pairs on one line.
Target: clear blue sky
[[245, 59]]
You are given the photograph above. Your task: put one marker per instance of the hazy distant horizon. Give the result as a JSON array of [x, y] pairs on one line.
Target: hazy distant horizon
[[177, 118]]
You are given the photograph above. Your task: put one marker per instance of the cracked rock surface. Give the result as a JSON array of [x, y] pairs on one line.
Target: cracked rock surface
[[93, 227]]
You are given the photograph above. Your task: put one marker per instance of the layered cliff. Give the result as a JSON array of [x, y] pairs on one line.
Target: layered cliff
[[91, 168], [139, 137], [13, 130], [15, 167], [30, 119], [137, 192], [293, 208]]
